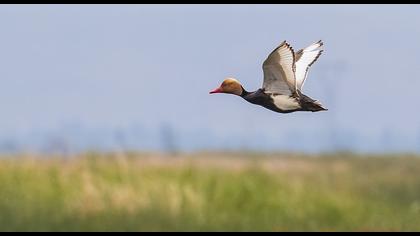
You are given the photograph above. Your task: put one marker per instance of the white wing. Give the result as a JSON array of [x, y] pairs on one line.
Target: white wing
[[279, 70], [304, 59]]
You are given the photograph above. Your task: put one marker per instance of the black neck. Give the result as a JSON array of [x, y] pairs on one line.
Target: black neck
[[244, 92]]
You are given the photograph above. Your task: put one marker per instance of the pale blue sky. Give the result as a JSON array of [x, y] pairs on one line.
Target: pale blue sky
[[134, 67]]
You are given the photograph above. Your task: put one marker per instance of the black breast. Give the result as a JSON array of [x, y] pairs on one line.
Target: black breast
[[259, 97]]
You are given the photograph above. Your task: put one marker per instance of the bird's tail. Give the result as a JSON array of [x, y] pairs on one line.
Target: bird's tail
[[316, 106], [310, 104]]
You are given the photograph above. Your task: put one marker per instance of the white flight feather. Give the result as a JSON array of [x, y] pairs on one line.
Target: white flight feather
[[279, 70], [306, 58]]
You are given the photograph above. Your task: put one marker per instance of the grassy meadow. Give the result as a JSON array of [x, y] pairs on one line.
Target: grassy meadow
[[210, 192]]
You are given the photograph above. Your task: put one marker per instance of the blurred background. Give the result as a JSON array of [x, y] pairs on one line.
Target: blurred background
[[122, 93], [136, 77]]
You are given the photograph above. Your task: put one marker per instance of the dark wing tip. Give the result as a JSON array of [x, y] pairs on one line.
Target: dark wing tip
[[320, 43], [316, 58], [284, 43]]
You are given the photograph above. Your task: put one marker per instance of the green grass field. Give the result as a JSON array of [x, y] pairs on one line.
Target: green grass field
[[210, 192]]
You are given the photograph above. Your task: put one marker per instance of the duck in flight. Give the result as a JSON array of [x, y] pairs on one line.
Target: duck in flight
[[285, 73]]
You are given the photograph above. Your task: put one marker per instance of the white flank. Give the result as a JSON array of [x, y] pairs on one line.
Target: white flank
[[285, 102]]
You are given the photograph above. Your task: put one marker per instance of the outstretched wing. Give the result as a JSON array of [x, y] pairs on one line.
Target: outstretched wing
[[279, 70], [304, 59]]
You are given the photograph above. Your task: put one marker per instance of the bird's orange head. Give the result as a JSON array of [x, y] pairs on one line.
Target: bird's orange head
[[229, 85]]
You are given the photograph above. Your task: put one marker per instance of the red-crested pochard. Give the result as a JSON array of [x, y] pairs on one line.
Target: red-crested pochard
[[285, 73]]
